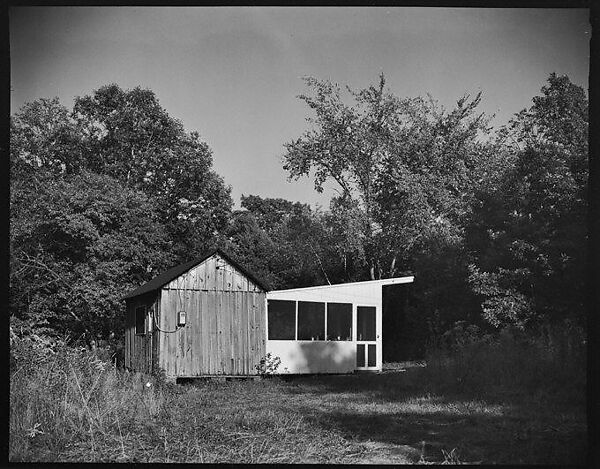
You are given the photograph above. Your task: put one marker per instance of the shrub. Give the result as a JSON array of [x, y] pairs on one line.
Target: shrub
[[268, 365], [551, 359]]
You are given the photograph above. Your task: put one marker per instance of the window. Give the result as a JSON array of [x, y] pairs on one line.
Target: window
[[311, 320], [282, 319], [339, 321], [360, 355], [371, 355], [140, 320], [365, 329]]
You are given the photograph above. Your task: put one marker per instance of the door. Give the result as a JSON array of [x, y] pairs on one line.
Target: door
[[366, 338]]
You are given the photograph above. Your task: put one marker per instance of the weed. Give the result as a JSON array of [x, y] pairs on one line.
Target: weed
[[268, 365], [72, 404]]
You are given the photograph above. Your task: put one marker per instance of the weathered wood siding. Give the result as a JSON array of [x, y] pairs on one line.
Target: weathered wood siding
[[225, 322], [141, 349]]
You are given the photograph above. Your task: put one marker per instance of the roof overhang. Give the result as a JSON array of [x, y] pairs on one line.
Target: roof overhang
[[381, 282]]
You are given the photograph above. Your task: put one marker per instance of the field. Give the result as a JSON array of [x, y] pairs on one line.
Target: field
[[76, 407]]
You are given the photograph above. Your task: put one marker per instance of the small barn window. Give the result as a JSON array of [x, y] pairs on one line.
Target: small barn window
[[311, 320], [339, 321], [365, 323], [140, 320], [281, 319]]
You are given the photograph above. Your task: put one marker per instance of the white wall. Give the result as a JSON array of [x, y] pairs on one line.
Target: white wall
[[331, 356], [302, 356]]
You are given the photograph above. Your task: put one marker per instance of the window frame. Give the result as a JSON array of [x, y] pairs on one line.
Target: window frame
[[358, 328], [295, 320], [145, 316], [327, 322], [324, 303]]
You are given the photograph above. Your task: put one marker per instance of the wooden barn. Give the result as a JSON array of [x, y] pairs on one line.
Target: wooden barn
[[206, 317]]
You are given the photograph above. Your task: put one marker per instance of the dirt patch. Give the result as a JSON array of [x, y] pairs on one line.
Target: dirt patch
[[387, 453]]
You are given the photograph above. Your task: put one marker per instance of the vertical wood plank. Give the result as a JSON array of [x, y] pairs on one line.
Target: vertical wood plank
[[237, 308], [200, 276], [244, 333], [247, 333], [204, 331], [236, 332], [252, 333], [163, 352], [213, 331], [229, 350], [220, 337], [181, 337], [173, 337]]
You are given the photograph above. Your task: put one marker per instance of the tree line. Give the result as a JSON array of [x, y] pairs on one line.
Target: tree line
[[492, 223]]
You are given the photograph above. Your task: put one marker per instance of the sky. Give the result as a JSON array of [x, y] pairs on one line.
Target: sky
[[234, 73]]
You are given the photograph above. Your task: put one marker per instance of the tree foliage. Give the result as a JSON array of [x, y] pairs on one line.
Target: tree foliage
[[130, 137], [78, 244], [103, 198], [492, 223], [529, 230], [406, 168]]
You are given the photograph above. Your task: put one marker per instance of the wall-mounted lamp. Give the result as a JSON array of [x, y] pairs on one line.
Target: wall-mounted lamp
[[181, 318]]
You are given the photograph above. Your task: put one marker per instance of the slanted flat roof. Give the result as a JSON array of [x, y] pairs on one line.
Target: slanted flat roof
[[384, 281], [171, 274]]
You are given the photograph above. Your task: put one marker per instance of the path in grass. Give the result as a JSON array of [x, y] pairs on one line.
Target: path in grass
[[386, 418], [390, 416]]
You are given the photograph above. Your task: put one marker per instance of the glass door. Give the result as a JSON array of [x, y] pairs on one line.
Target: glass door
[[366, 338]]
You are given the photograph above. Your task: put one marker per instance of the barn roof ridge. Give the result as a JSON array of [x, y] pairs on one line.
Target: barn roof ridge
[[171, 274]]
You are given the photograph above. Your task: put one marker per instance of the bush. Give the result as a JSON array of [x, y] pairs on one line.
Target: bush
[[63, 396], [549, 360], [268, 365]]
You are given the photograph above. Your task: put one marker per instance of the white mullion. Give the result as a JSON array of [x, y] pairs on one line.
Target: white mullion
[[325, 331], [296, 328]]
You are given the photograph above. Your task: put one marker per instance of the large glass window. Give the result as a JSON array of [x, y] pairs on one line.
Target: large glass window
[[140, 320], [365, 328], [281, 319], [339, 321], [311, 320]]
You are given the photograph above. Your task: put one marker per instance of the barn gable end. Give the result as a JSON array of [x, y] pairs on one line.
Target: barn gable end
[[214, 273]]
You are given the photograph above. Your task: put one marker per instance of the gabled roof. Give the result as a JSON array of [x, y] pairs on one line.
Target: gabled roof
[[171, 274]]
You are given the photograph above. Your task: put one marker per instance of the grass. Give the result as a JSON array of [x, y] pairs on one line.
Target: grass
[[72, 405]]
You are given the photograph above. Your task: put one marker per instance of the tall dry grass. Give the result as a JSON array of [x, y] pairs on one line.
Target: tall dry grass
[[62, 396], [72, 404]]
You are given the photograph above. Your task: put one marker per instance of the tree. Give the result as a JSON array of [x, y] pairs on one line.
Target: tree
[[529, 230], [282, 239], [405, 168], [130, 137], [103, 198], [269, 212], [251, 245], [77, 245], [44, 136]]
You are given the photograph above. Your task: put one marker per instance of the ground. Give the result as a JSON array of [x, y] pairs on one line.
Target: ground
[[393, 417], [384, 418]]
